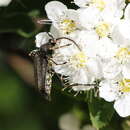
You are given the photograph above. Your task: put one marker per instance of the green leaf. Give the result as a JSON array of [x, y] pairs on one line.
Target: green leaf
[[100, 112]]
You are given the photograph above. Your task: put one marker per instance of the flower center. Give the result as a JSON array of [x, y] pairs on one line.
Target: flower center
[[100, 4], [125, 85], [78, 60], [68, 26], [103, 29], [123, 55]]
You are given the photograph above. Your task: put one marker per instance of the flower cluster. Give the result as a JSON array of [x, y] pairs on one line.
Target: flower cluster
[[100, 30]]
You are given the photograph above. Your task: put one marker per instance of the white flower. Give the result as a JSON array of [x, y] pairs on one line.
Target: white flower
[[121, 31], [102, 5], [102, 23], [104, 15], [99, 4], [5, 2], [104, 27], [113, 9], [119, 92], [78, 62], [41, 38], [108, 10], [119, 64], [65, 20], [78, 65]]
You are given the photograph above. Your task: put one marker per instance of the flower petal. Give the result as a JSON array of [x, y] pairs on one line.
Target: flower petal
[[127, 12], [80, 76], [54, 31], [122, 106], [89, 21], [87, 40], [94, 67], [121, 32], [54, 9], [106, 48], [107, 90], [126, 71], [81, 3], [41, 39], [112, 69]]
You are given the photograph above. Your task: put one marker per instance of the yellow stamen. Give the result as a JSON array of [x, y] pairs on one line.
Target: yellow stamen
[[103, 29], [100, 4], [68, 26], [123, 54], [79, 60], [125, 85]]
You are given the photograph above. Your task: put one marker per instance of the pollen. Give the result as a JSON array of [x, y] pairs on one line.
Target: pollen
[[68, 26], [78, 60], [125, 85], [103, 29], [100, 4], [123, 55]]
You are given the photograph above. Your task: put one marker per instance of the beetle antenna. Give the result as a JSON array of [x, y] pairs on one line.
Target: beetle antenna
[[44, 21], [60, 38]]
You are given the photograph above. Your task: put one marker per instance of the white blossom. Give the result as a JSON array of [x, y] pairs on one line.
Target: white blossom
[[103, 5], [119, 64], [100, 22], [78, 61], [119, 92], [94, 45], [121, 31], [65, 20]]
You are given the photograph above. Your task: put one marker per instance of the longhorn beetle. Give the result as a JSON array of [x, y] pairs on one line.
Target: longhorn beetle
[[42, 58]]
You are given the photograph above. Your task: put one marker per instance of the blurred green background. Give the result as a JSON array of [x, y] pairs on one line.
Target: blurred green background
[[21, 106]]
